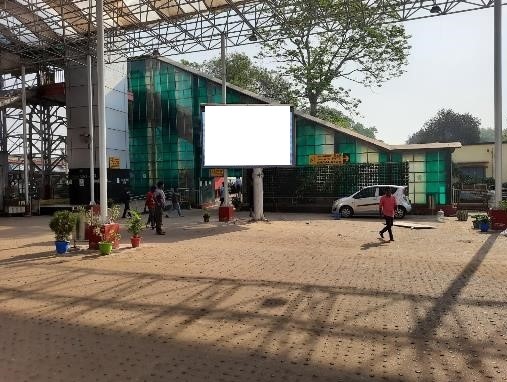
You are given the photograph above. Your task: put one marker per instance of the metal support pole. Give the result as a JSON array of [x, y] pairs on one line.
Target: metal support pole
[[498, 99], [90, 125], [224, 101], [101, 107], [25, 145]]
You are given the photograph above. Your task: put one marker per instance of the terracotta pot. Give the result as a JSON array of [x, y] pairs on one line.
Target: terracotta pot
[[135, 241]]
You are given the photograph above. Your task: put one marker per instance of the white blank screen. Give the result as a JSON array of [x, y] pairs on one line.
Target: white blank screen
[[247, 136]]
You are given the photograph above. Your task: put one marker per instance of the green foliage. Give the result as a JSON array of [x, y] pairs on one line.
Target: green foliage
[[336, 117], [135, 223], [320, 41], [62, 224], [243, 72], [448, 126], [502, 205], [462, 215], [488, 135]]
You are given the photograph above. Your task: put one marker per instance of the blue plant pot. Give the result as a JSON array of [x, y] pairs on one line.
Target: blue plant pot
[[62, 247], [484, 227]]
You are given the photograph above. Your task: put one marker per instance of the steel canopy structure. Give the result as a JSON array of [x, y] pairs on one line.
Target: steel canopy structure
[[40, 31], [37, 34]]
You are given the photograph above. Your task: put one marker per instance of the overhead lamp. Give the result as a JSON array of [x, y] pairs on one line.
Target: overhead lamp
[[253, 37], [155, 53], [435, 9]]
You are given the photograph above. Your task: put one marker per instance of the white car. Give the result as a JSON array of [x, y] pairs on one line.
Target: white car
[[366, 201]]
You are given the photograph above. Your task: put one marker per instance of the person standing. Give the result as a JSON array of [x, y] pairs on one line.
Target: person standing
[[222, 195], [387, 207], [175, 200], [159, 197], [150, 204], [126, 201]]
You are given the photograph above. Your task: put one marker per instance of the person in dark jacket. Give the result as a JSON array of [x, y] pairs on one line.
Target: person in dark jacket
[[126, 201]]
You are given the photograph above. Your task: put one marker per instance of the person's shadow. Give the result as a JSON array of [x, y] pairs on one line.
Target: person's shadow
[[375, 244]]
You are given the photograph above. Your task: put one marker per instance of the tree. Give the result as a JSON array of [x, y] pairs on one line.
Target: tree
[[336, 117], [242, 72], [448, 126], [488, 135], [321, 41]]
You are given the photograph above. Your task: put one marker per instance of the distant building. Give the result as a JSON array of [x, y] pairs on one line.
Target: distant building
[[477, 160]]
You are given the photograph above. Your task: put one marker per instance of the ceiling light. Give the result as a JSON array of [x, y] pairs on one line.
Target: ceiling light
[[435, 9]]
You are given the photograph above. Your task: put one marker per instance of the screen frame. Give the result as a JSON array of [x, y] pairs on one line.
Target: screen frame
[[292, 132]]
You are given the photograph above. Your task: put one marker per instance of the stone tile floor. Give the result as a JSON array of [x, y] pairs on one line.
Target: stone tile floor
[[301, 298]]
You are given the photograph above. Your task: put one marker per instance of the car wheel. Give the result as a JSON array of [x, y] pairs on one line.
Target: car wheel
[[399, 213], [346, 212]]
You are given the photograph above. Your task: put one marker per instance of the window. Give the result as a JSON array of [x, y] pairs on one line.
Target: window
[[476, 172], [368, 192], [382, 190]]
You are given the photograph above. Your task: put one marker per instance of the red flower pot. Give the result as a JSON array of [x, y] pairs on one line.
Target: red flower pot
[[135, 240], [498, 219], [108, 230]]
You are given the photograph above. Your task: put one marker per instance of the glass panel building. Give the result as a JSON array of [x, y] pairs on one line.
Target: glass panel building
[[166, 143]]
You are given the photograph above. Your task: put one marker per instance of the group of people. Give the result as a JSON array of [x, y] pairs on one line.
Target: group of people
[[155, 204]]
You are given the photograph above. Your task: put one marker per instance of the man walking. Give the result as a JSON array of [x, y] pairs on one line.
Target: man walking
[[387, 206], [159, 207], [175, 200], [150, 204]]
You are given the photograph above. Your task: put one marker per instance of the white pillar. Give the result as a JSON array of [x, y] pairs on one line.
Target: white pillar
[[101, 107], [224, 101], [258, 193], [498, 99], [90, 125], [26, 165]]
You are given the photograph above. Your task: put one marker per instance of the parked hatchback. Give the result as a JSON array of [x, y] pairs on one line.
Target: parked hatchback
[[366, 201]]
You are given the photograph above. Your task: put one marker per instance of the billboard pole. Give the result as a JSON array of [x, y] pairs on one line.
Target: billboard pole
[[224, 101], [498, 99]]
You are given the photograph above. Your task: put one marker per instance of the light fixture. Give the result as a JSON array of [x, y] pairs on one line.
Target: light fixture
[[252, 37], [155, 53], [435, 9]]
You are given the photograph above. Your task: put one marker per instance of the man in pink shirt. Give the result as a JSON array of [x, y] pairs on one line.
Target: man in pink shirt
[[387, 206]]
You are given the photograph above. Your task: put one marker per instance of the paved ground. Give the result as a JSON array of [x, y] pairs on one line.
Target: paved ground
[[302, 298]]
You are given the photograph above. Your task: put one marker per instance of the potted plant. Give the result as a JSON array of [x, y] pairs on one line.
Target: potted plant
[[107, 239], [476, 220], [462, 215], [484, 223], [135, 225], [62, 224], [206, 216], [110, 228]]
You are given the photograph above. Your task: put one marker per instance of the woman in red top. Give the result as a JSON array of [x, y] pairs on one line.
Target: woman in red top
[[387, 206], [150, 204]]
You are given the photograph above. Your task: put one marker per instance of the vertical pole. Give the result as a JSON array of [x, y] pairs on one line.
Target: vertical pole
[[224, 101], [101, 107], [25, 145], [258, 193], [90, 126], [498, 99]]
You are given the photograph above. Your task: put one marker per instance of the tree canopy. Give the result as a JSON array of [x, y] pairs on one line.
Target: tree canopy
[[449, 126], [488, 135], [242, 72], [336, 117], [321, 41]]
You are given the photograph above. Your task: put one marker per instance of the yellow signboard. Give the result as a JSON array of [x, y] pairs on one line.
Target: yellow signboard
[[114, 162], [216, 172], [329, 159]]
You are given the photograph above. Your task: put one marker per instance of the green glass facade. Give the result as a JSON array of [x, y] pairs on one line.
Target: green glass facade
[[165, 136]]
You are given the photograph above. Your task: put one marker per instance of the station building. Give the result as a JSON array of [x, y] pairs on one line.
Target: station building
[[165, 136]]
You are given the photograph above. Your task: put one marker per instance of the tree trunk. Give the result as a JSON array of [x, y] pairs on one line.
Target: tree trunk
[[313, 104]]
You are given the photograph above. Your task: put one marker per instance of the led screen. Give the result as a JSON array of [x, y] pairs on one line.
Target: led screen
[[247, 135]]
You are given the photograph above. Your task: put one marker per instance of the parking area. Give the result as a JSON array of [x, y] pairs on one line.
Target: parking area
[[299, 298]]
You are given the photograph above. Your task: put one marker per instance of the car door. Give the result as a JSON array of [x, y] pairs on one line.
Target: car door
[[366, 201]]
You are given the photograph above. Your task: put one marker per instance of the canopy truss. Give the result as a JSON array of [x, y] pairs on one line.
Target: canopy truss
[[54, 30]]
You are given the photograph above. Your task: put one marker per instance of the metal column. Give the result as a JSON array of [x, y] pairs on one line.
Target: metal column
[[90, 125], [25, 143], [224, 101], [101, 107], [498, 99]]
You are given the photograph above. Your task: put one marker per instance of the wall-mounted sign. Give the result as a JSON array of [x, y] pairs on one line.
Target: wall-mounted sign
[[114, 162], [216, 172], [330, 159]]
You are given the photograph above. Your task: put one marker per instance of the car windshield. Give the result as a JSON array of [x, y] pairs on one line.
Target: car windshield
[[368, 192]]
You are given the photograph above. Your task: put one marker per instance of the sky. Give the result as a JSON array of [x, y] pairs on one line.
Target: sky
[[450, 66]]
